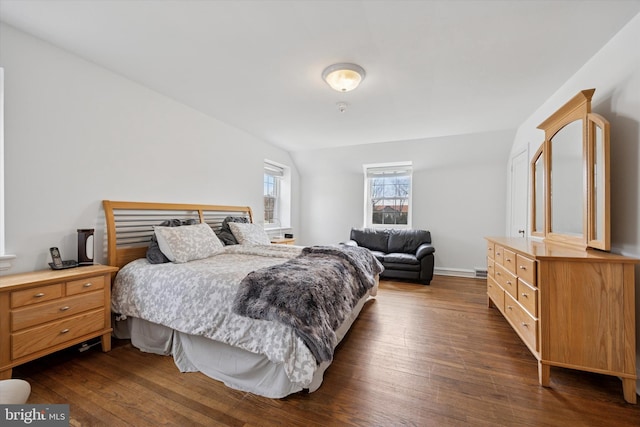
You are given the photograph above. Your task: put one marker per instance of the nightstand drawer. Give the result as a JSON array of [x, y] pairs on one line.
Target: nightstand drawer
[[35, 295], [50, 334], [54, 310], [85, 285]]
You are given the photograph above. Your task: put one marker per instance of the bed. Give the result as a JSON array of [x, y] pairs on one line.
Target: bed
[[202, 311]]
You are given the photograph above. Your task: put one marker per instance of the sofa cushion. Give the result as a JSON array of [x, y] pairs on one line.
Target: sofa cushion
[[405, 273], [407, 241], [379, 255], [375, 240], [394, 266], [398, 258]]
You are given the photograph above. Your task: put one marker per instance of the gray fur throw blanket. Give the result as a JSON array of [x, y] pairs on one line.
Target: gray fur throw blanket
[[313, 293]]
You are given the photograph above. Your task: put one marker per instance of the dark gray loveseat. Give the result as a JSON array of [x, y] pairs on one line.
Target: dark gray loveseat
[[405, 254]]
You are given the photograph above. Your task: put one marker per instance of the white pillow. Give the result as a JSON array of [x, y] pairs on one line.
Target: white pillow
[[188, 242], [249, 234]]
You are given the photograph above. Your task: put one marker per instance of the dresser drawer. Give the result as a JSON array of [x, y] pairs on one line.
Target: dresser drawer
[[498, 256], [35, 295], [526, 269], [496, 293], [508, 281], [490, 267], [50, 334], [525, 325], [528, 297], [54, 310], [85, 285], [490, 250], [509, 260]]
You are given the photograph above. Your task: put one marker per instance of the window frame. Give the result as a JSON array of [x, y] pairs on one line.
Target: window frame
[[387, 170], [281, 175], [5, 258]]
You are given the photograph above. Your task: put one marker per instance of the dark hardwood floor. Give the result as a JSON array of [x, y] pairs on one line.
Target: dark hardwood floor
[[416, 356]]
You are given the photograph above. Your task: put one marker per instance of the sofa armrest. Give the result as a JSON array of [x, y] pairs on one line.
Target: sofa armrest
[[424, 250], [349, 243]]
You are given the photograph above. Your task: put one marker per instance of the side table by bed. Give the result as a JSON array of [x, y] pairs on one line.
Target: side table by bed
[[283, 241], [45, 311]]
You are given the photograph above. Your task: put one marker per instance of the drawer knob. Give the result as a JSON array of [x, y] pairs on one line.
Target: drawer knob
[[525, 295], [522, 267], [508, 260], [64, 331], [510, 307], [498, 273], [508, 282], [65, 308], [87, 285], [39, 295], [526, 325]]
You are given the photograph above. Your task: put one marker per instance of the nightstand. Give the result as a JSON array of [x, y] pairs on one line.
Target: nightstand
[[283, 241], [45, 311]]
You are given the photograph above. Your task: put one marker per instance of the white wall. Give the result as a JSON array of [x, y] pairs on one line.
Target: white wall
[[615, 73], [458, 192], [76, 133]]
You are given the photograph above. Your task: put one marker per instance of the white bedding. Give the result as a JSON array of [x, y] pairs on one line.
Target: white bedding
[[195, 298], [237, 368]]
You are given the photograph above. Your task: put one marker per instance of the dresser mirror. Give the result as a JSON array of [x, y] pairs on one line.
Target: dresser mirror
[[599, 205], [567, 181], [570, 177], [537, 191]]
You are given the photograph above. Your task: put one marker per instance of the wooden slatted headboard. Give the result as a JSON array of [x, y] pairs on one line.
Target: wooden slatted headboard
[[130, 224]]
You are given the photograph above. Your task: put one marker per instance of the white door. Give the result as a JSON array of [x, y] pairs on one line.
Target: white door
[[519, 194]]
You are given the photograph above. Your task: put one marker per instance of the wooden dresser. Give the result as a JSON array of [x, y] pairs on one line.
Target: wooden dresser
[[46, 311], [573, 308]]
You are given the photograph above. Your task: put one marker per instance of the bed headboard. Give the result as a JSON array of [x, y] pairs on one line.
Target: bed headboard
[[130, 224]]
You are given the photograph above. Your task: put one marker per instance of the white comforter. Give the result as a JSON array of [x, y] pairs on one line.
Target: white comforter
[[196, 298]]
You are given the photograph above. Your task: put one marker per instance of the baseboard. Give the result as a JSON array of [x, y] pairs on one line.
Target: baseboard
[[457, 272]]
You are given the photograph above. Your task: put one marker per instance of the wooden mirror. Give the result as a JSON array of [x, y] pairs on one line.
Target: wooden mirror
[[570, 177], [537, 194]]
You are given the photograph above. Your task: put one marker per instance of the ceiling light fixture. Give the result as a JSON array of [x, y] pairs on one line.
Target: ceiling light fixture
[[343, 77]]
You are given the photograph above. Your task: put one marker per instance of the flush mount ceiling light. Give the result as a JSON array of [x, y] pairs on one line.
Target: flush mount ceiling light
[[343, 77]]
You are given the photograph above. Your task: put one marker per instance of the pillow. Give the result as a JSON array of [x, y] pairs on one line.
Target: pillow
[[187, 243], [225, 234], [154, 254], [249, 234]]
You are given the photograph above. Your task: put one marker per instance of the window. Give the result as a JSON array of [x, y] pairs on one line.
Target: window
[[277, 195], [388, 195], [5, 258], [272, 177]]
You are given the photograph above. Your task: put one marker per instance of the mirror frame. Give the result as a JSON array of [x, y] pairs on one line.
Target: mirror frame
[[577, 108], [535, 231], [602, 242]]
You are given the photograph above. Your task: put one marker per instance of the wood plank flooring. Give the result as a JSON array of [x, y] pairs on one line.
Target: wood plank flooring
[[417, 356]]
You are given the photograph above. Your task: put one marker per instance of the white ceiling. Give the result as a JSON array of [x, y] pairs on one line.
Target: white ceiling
[[433, 68]]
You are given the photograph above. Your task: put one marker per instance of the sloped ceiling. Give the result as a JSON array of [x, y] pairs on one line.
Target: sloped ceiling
[[434, 68]]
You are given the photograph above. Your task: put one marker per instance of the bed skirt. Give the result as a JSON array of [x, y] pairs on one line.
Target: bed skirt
[[237, 368]]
